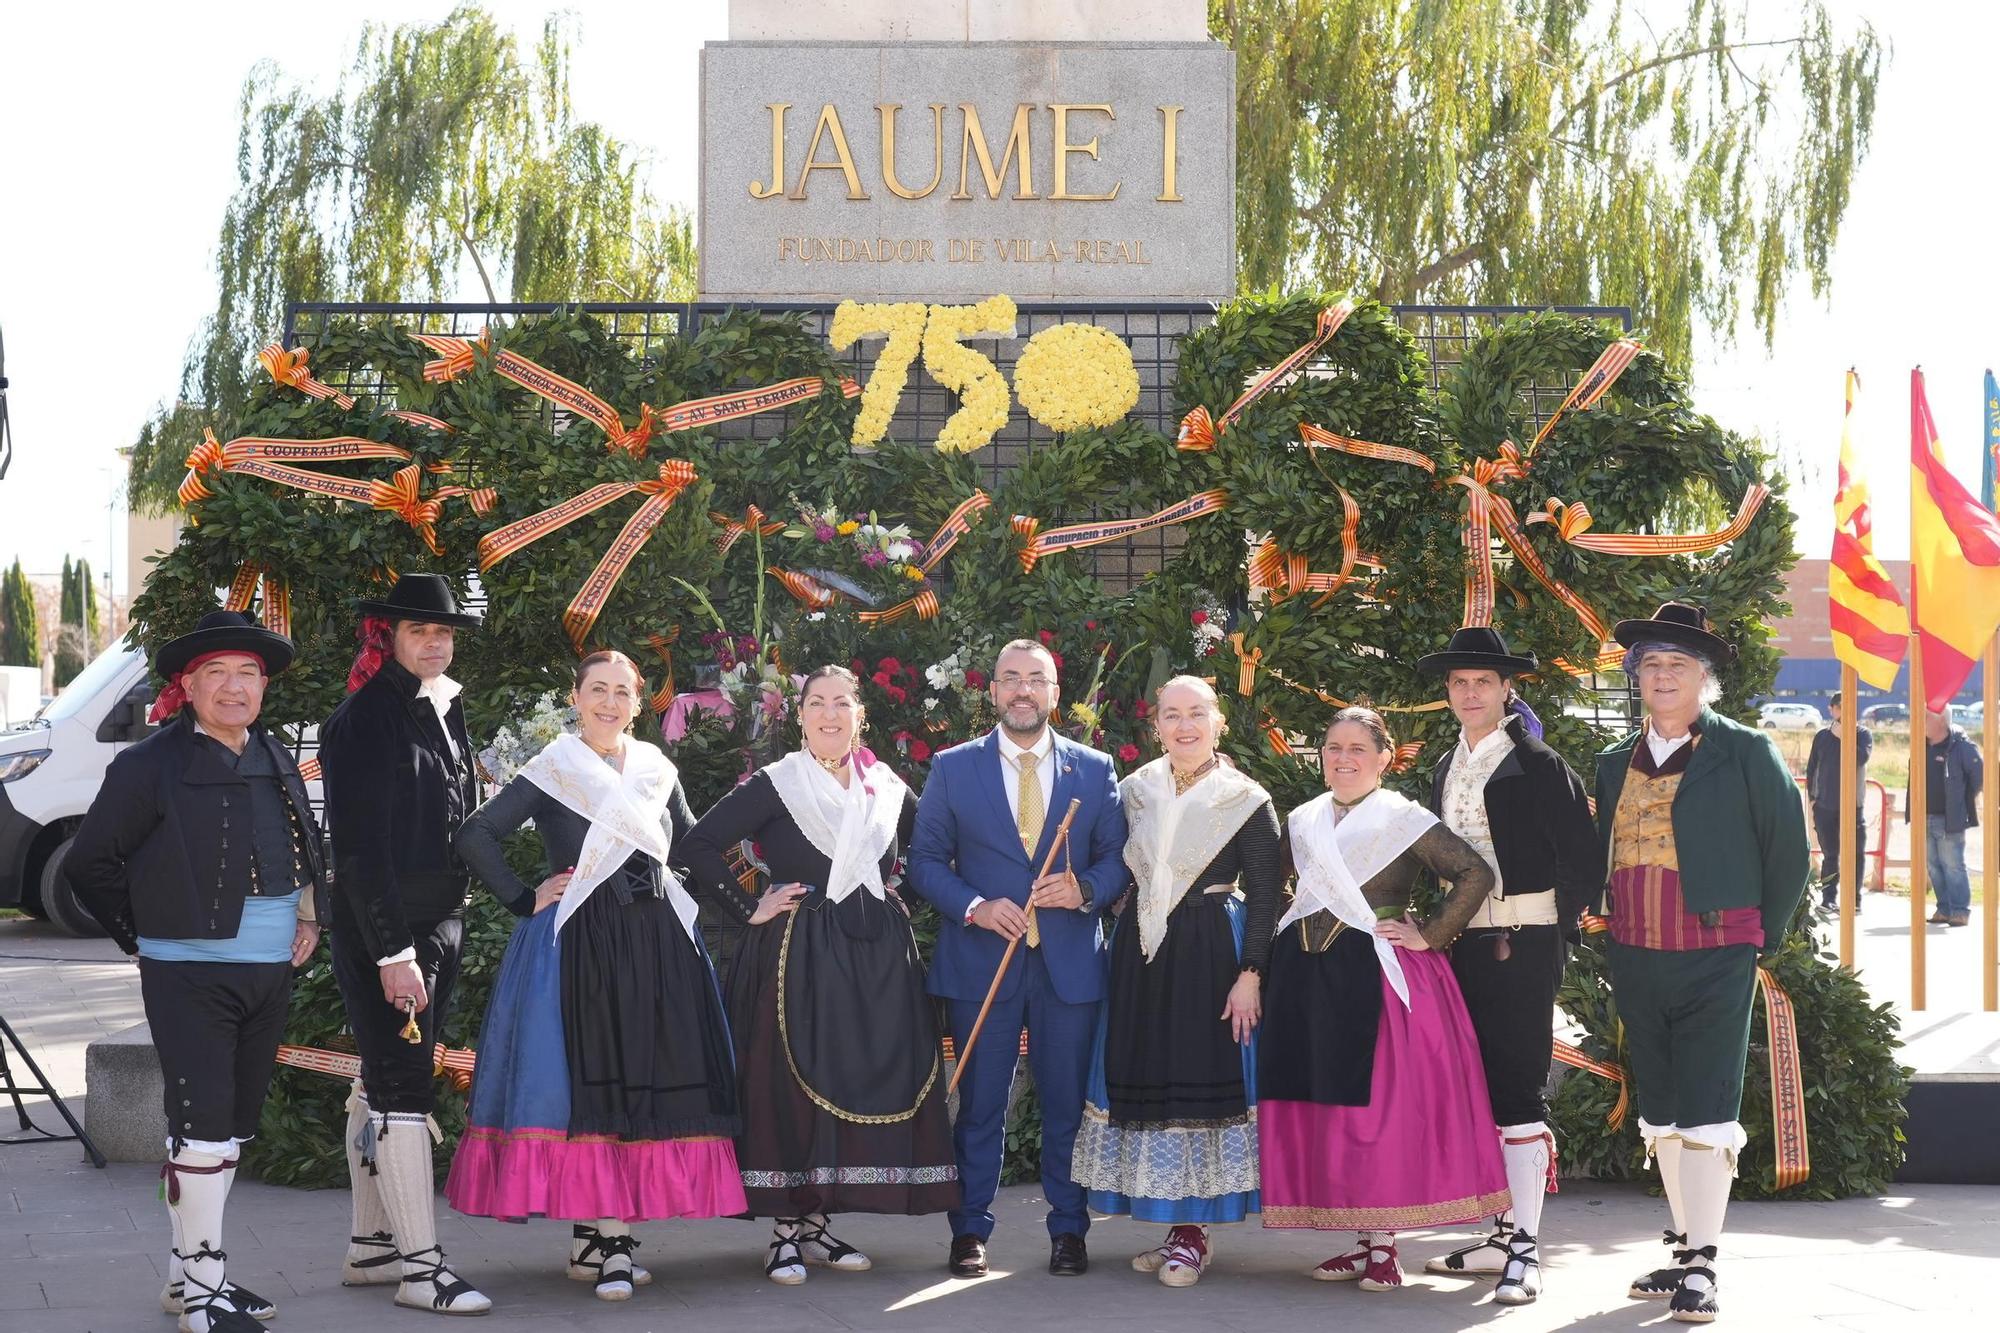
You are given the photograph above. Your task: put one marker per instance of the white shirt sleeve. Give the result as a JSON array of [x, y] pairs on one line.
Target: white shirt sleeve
[[406, 956]]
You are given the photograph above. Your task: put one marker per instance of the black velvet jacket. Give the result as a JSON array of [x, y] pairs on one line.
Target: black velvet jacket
[[1539, 816], [562, 831], [149, 858], [395, 796]]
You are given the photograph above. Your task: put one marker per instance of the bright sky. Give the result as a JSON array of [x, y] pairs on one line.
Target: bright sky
[[112, 189]]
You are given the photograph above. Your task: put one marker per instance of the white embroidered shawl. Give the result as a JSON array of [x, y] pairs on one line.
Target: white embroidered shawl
[[850, 826], [1335, 860], [625, 811], [1170, 839]]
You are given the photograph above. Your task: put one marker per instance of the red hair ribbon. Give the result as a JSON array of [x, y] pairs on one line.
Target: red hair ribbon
[[175, 696], [378, 640]]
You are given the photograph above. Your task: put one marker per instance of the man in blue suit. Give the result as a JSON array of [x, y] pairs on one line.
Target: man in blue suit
[[984, 826]]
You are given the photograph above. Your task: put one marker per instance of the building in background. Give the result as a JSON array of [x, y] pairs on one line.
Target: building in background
[[1810, 673]]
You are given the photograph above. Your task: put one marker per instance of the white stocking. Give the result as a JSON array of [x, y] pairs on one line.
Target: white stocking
[[1527, 1151]]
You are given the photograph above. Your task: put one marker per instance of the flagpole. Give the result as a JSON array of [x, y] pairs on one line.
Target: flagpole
[[1850, 801], [1991, 819], [1918, 809]]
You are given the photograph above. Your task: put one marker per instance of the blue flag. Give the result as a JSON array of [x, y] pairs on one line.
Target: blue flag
[[1989, 460]]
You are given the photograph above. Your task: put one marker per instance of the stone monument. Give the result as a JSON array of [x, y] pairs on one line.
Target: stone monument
[[923, 151]]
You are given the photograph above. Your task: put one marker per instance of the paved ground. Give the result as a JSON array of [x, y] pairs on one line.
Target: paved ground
[[81, 1248]]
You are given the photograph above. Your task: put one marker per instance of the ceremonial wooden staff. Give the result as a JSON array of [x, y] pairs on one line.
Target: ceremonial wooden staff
[[965, 1053]]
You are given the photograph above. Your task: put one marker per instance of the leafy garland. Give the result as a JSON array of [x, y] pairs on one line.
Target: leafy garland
[[697, 600]]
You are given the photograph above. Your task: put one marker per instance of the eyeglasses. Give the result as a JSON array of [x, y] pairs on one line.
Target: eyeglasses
[[1014, 680]]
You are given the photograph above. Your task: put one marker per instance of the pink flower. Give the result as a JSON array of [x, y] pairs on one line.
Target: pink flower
[[824, 532], [874, 559], [1090, 624]]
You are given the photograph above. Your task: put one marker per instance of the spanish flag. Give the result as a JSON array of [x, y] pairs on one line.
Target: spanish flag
[[1871, 629], [1954, 562]]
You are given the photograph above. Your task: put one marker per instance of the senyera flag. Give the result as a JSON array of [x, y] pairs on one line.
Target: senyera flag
[[1871, 628], [1954, 562]]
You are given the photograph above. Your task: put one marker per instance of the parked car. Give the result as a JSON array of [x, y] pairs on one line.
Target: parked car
[[1886, 715], [1971, 717], [1789, 717]]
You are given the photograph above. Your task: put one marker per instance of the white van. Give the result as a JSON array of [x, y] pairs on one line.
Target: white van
[[50, 770]]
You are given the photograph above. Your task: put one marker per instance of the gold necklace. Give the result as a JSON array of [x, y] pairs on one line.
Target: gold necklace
[[1182, 781], [832, 766], [601, 752]]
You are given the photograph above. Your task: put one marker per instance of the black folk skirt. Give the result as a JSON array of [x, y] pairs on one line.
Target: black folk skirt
[[842, 1078]]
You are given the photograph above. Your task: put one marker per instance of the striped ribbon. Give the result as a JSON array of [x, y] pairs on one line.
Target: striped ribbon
[[401, 495], [735, 528], [420, 419], [1788, 1094], [956, 525], [1317, 437], [924, 606], [1079, 535], [259, 456], [454, 1064], [1572, 523], [568, 394], [289, 368], [1603, 373], [662, 644], [1564, 1053], [309, 770], [808, 591], [1283, 573], [1198, 431], [277, 596], [675, 476]]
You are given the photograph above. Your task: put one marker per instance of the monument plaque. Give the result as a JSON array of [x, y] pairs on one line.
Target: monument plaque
[[931, 170]]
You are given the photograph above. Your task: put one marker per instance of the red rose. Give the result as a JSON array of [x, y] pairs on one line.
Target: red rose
[[889, 664], [1127, 753], [1141, 709], [1090, 624], [858, 667], [881, 678], [911, 674], [920, 751], [896, 693], [1045, 636], [975, 680], [1199, 617], [1058, 657]]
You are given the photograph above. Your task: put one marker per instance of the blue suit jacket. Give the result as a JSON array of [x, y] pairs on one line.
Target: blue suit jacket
[[967, 846]]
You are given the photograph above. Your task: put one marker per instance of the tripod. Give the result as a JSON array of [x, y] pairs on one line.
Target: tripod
[[30, 1132]]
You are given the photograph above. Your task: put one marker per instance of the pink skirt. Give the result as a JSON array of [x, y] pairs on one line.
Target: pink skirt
[[1424, 1151], [525, 1173]]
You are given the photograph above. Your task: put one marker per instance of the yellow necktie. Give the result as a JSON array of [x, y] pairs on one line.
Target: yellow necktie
[[1032, 812]]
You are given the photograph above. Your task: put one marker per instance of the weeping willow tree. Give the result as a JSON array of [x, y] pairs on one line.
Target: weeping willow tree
[[446, 156], [1548, 151]]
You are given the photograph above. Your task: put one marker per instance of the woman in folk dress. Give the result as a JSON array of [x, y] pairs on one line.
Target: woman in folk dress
[[844, 1106], [1170, 1118], [606, 1089], [1373, 1115]]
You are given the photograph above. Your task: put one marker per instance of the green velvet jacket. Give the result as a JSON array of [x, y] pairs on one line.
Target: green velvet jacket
[[1739, 827]]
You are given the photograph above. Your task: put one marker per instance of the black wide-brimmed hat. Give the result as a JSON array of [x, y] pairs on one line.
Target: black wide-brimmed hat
[[426, 598], [1476, 648], [1681, 624], [224, 632]]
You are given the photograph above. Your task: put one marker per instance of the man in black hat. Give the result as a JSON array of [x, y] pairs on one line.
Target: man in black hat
[[1701, 828], [399, 776], [1524, 809], [199, 857]]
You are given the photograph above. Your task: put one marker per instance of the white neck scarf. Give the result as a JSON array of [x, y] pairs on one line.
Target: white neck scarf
[[850, 826], [1170, 839], [625, 811], [1334, 861]]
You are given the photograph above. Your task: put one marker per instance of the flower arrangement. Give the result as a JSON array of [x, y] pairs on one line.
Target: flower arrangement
[[977, 380], [904, 323], [854, 555], [1076, 376], [514, 745]]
